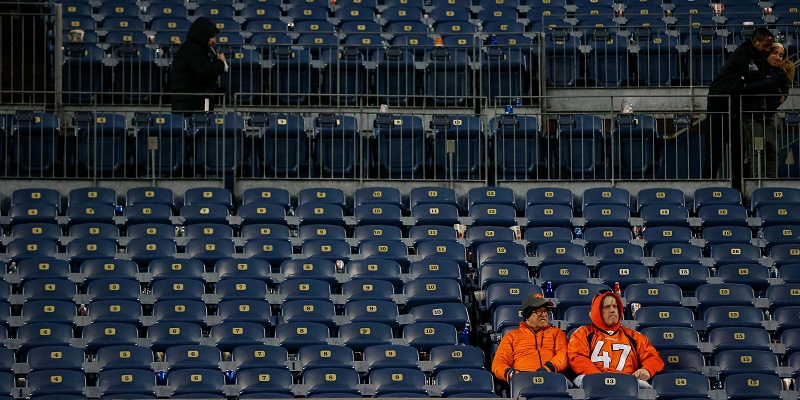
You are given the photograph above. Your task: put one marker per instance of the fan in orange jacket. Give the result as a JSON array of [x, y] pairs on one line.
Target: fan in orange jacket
[[607, 346], [534, 346]]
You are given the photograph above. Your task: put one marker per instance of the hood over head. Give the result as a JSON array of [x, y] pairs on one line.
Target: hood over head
[[596, 313], [201, 31]]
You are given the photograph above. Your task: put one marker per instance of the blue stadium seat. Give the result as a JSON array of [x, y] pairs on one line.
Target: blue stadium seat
[[448, 313], [259, 356], [723, 294], [678, 385], [682, 360], [170, 132], [742, 338], [216, 137], [37, 196], [54, 289], [752, 384], [537, 236], [288, 75], [285, 143], [581, 146], [686, 276], [229, 335], [559, 274], [707, 54], [329, 382], [562, 54], [111, 338], [539, 384], [733, 362], [576, 294], [308, 310], [22, 249], [264, 381], [716, 196], [468, 382], [378, 214], [432, 195], [113, 288], [675, 253], [424, 233], [517, 145], [325, 356], [361, 335], [655, 316], [735, 253], [56, 382], [399, 143], [36, 130], [124, 357], [660, 196], [610, 59], [456, 357], [672, 338], [390, 356], [624, 274], [105, 131], [42, 268], [338, 143], [635, 137], [736, 316], [785, 295], [607, 384], [432, 291], [55, 358], [466, 162], [192, 357], [82, 249], [199, 382], [424, 336], [557, 253], [754, 275], [396, 382], [377, 232], [546, 215], [395, 75], [119, 382], [596, 236], [500, 252]]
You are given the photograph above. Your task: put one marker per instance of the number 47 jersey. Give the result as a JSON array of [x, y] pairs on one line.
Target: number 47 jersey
[[615, 349]]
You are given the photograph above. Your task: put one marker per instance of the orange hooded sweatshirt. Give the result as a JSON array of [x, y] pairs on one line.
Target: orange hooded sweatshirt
[[600, 348], [524, 349]]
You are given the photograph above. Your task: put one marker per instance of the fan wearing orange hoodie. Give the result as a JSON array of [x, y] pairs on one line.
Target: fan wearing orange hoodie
[[607, 346], [535, 346]]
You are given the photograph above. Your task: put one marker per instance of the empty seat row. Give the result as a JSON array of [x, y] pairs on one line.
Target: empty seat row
[[761, 197]]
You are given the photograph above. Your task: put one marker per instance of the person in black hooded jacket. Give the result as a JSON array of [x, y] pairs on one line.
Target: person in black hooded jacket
[[195, 68], [764, 95], [743, 64]]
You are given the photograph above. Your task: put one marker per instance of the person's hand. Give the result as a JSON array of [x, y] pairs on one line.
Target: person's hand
[[642, 374], [221, 56]]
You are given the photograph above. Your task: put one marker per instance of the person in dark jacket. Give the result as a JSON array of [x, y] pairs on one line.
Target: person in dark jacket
[[762, 98], [744, 64], [195, 69]]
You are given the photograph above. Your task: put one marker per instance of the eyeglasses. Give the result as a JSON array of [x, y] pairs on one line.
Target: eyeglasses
[[541, 311]]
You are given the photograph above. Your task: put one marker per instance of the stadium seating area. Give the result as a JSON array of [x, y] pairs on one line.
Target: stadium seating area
[[322, 293], [411, 52], [387, 291]]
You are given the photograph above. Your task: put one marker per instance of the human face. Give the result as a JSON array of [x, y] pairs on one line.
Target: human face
[[212, 41], [539, 318], [610, 311], [764, 44], [775, 56]]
